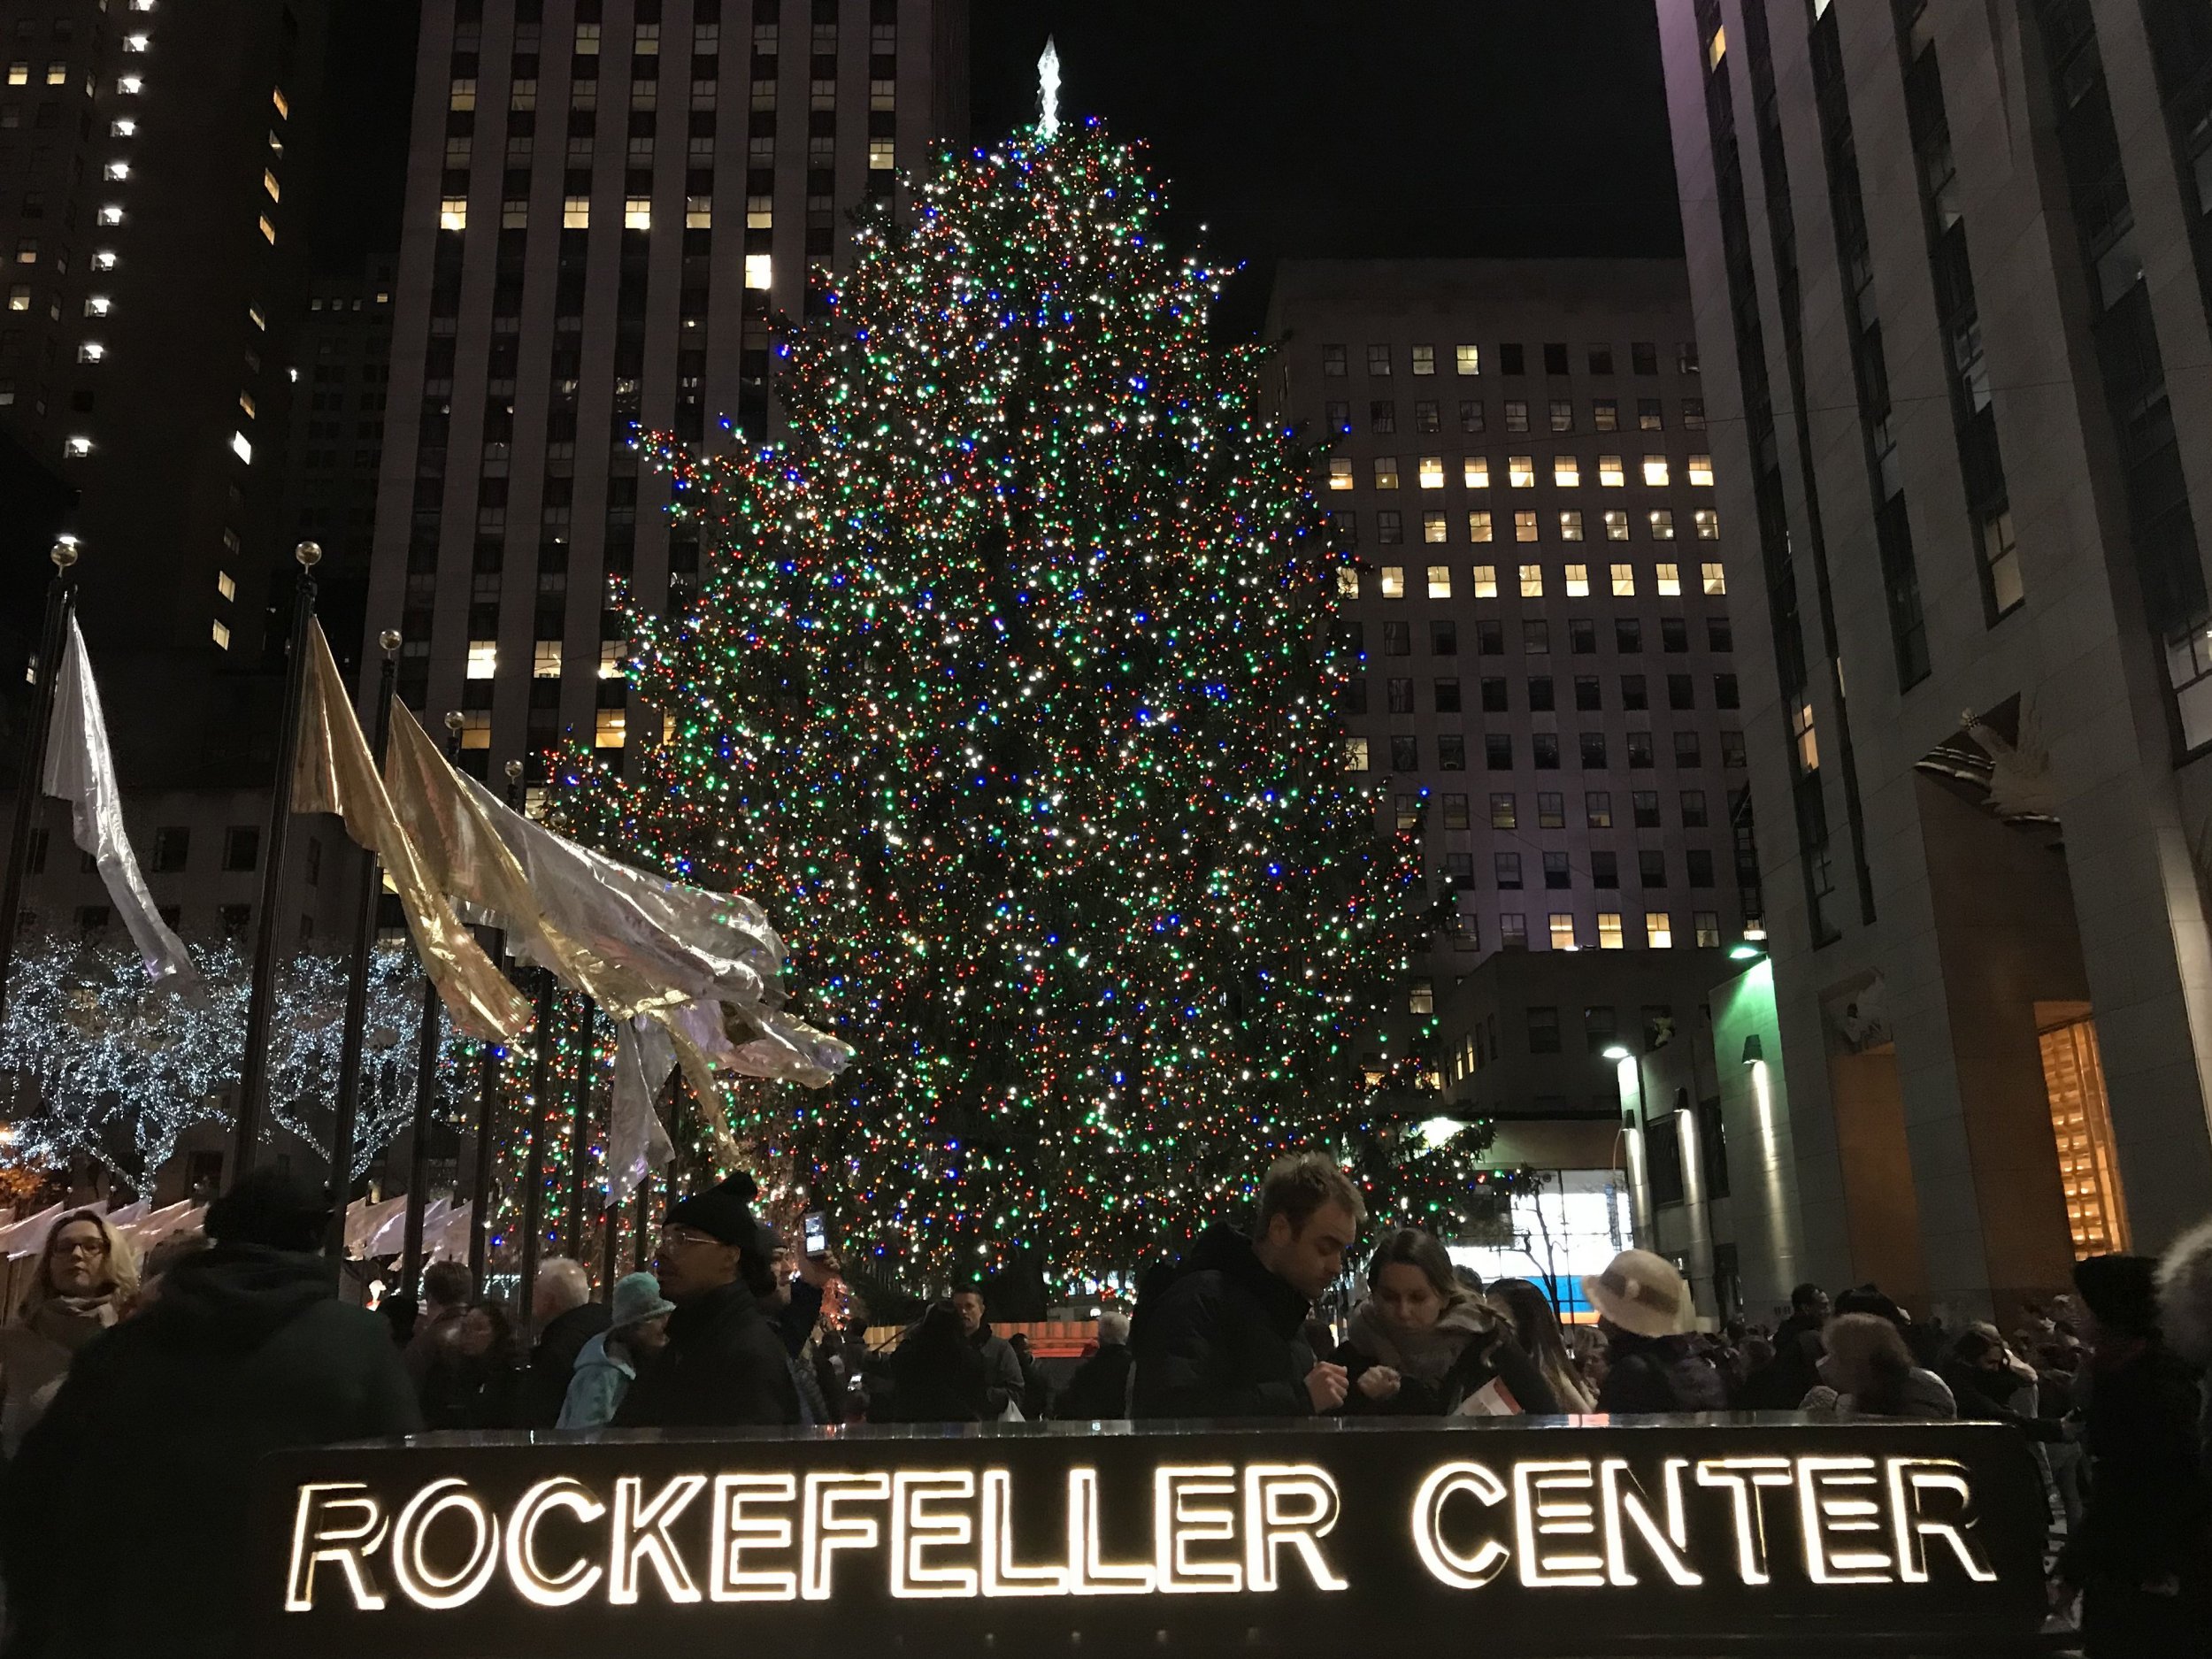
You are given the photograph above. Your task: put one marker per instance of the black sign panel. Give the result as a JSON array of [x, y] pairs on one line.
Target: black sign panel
[[1646, 1536]]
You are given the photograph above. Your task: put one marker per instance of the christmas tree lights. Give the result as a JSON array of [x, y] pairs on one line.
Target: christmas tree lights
[[1011, 691]]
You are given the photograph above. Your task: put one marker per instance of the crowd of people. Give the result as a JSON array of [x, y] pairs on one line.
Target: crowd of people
[[167, 1380]]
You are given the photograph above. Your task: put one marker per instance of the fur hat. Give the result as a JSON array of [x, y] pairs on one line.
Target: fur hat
[[2121, 1291], [2185, 1294]]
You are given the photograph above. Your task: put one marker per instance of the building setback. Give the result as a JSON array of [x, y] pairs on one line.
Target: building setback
[[1949, 261], [608, 202], [1518, 452]]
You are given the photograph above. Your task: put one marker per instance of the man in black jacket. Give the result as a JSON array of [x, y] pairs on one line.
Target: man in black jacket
[[567, 1319], [1225, 1338], [724, 1365], [150, 1447]]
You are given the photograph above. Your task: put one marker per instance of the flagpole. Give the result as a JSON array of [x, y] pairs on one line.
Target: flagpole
[[61, 598], [580, 1126], [253, 1083], [425, 1090], [533, 1175], [348, 1108], [486, 1088]]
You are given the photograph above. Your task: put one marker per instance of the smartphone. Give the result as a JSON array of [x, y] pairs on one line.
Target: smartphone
[[815, 1232]]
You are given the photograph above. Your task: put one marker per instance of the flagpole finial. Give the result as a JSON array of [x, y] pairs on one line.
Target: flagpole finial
[[514, 771], [310, 554], [64, 552], [455, 720], [389, 639], [1049, 90]]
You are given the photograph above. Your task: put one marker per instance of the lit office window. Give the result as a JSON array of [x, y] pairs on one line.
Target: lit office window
[[545, 660], [1347, 580], [483, 661], [1617, 527], [1393, 581], [576, 212], [225, 585], [1469, 359], [1385, 471], [1432, 528], [1578, 580], [1531, 581], [1609, 936], [1439, 581], [1340, 469], [1485, 581], [1700, 468], [1656, 471], [1707, 523], [1356, 754], [1715, 579], [1669, 579], [241, 446], [1475, 472], [1571, 525], [758, 273], [1623, 581], [1431, 472], [1524, 526], [220, 634], [637, 213], [1563, 931], [698, 212], [1566, 472], [1611, 475], [1662, 525], [1659, 930], [1479, 526], [1521, 472]]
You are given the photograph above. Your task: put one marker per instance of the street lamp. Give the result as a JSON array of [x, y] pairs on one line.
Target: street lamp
[[1744, 950]]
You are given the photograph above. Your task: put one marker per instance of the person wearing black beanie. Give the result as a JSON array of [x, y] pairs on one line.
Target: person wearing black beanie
[[724, 1364], [246, 1351], [2139, 1556]]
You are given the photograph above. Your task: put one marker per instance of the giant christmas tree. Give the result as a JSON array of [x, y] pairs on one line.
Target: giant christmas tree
[[1010, 690]]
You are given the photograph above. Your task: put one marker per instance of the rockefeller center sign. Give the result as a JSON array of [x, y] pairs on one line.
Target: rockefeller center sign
[[1608, 1536]]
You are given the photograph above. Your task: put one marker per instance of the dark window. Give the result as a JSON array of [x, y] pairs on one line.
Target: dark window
[[1490, 638], [1687, 750], [1601, 359], [1555, 359], [1719, 636], [1338, 416], [1494, 697], [235, 919], [1732, 750], [1443, 639], [1459, 870], [1497, 751], [172, 848], [1544, 751], [1535, 635], [1397, 639], [1390, 527], [1470, 414], [1605, 869], [1589, 697], [1451, 752], [1681, 692], [1540, 697], [1594, 751], [1712, 1149], [1694, 808], [1663, 1157], [1382, 416], [1633, 692], [1701, 867], [1640, 749], [1674, 634], [1543, 1030], [1446, 695], [1507, 868], [1355, 695], [1425, 416], [1582, 636], [1600, 1028], [1511, 360], [1555, 873], [1405, 754], [1651, 863], [1643, 356], [1725, 692], [1646, 804], [1401, 696], [1597, 808], [241, 846], [1628, 635]]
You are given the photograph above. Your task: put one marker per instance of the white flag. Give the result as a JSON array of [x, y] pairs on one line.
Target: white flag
[[81, 770], [637, 1144]]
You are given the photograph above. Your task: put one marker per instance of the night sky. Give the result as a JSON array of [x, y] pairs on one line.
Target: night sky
[[1381, 128]]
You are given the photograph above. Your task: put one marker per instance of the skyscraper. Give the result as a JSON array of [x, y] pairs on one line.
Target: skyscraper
[[609, 201], [1950, 263]]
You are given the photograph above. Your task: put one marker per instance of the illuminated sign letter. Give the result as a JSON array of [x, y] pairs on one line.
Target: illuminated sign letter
[[1625, 1502], [736, 1532], [827, 1532], [641, 1534], [421, 1582], [1908, 1478], [337, 1522], [1836, 1503], [1462, 1572], [1001, 1575], [1089, 1575], [531, 1582], [1181, 1519], [914, 1529], [1743, 1477], [1542, 1510], [1287, 1504]]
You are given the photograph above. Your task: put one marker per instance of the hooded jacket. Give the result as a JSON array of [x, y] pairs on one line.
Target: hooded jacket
[[553, 1360], [603, 1376], [1223, 1338], [724, 1365], [1469, 1348], [151, 1446]]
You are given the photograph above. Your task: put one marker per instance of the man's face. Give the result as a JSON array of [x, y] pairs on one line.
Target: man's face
[[1819, 1309], [1310, 1258], [689, 1262], [969, 1306]]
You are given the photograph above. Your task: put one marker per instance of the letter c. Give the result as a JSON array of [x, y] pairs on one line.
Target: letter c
[[531, 1581], [1462, 1572]]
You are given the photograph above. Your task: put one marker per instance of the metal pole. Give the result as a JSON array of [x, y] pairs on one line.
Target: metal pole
[[640, 1254], [580, 1125], [344, 1118], [534, 1172], [253, 1083], [610, 1236], [61, 598], [426, 1091], [488, 1081]]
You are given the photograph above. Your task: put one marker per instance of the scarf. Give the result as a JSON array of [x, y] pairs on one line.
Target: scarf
[[73, 1321], [1426, 1355]]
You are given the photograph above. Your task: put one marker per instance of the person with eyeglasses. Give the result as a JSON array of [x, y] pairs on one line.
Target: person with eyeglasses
[[724, 1364], [87, 1279]]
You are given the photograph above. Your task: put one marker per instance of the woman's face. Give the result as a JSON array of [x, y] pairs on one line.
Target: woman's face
[[1407, 1299], [477, 1333], [80, 1264]]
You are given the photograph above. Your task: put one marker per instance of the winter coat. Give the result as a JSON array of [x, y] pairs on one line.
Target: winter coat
[[1480, 1351], [1099, 1391], [2150, 1512], [935, 1380], [1794, 1372], [595, 1388], [1925, 1396], [1003, 1383], [470, 1391], [1657, 1373], [35, 1354], [1981, 1396], [1222, 1338], [553, 1361], [123, 1516], [724, 1365]]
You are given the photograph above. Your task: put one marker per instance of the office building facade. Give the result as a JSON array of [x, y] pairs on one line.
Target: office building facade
[[1518, 454], [608, 202], [1949, 264]]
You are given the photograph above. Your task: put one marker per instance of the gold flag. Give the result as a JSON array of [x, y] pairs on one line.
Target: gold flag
[[336, 773]]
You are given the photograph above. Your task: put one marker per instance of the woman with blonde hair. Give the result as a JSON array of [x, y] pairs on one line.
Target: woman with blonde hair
[[87, 1279], [1869, 1373], [1422, 1344], [1537, 1326]]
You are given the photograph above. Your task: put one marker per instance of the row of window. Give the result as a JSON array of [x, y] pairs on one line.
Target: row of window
[[1390, 581], [1564, 931], [1482, 527], [1428, 415], [1551, 810], [1511, 359], [1544, 751], [1589, 693], [1429, 472], [171, 851], [1582, 636], [1558, 872]]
